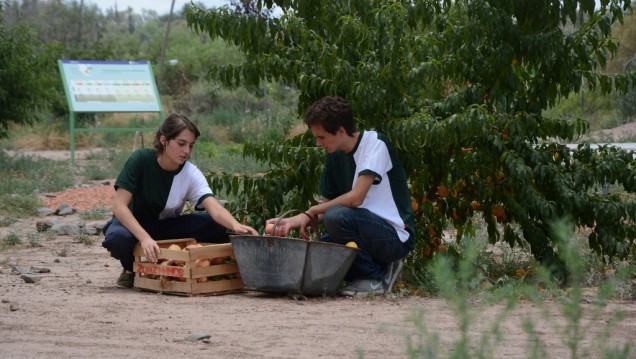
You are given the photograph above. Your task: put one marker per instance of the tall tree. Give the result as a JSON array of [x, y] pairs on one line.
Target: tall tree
[[460, 87], [26, 76]]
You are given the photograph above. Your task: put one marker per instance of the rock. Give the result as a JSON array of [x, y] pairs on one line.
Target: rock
[[90, 230], [46, 224], [44, 211], [193, 337], [13, 307], [40, 270], [95, 227], [30, 278], [70, 229], [18, 269], [65, 210]]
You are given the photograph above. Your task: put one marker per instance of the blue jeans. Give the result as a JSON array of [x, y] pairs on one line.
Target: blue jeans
[[378, 240], [120, 242]]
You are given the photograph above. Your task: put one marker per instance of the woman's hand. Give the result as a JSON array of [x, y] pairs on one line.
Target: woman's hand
[[151, 249], [243, 229]]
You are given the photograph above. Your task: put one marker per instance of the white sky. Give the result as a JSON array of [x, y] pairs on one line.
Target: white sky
[[162, 7]]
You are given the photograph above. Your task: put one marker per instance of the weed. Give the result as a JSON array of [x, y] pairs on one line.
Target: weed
[[34, 240], [83, 238], [7, 221], [62, 252], [586, 328], [11, 239], [96, 172], [50, 235], [95, 213]]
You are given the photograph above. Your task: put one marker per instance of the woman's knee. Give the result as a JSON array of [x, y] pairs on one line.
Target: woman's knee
[[116, 236]]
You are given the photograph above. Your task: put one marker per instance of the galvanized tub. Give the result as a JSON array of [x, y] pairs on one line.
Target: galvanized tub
[[291, 265]]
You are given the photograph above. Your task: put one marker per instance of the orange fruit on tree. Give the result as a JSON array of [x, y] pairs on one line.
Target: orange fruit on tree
[[414, 205], [498, 211], [431, 230], [442, 191], [500, 176], [426, 251], [475, 205]]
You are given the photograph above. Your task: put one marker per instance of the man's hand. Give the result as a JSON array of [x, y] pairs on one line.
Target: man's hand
[[285, 225]]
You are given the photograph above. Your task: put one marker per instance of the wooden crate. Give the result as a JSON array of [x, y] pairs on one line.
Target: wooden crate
[[177, 273]]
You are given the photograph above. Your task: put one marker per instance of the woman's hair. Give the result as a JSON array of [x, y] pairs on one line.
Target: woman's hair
[[331, 112], [171, 128]]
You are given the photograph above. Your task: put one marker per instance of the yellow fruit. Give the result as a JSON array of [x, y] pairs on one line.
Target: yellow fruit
[[351, 245]]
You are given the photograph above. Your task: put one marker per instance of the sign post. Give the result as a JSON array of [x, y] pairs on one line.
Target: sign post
[[108, 86]]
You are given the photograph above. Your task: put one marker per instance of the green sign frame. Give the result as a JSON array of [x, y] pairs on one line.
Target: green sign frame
[[108, 86]]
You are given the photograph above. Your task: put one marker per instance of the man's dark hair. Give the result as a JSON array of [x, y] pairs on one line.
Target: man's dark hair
[[331, 112]]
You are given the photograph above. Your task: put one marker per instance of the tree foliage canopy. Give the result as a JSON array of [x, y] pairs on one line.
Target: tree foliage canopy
[[24, 76], [460, 88]]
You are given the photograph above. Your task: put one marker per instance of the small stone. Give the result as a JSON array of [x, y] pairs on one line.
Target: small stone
[[70, 229], [44, 211], [66, 211], [40, 270], [18, 269], [13, 307], [30, 278], [193, 337]]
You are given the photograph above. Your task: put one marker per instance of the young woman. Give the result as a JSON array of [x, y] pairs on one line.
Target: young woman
[[151, 192]]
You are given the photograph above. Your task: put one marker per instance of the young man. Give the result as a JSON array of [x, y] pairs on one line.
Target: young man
[[366, 198]]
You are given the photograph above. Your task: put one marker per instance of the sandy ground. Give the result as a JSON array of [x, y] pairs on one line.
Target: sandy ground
[[76, 311]]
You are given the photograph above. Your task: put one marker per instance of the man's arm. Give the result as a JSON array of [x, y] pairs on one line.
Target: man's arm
[[353, 198]]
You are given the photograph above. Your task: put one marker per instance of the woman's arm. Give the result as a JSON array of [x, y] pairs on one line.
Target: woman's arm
[[223, 217]]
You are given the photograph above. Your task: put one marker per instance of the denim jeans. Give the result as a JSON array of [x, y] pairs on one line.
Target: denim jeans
[[120, 242], [378, 240]]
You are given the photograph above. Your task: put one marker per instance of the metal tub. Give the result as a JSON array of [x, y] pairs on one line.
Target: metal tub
[[291, 265]]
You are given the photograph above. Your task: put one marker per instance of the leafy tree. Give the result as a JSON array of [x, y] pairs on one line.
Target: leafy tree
[[460, 88], [25, 76]]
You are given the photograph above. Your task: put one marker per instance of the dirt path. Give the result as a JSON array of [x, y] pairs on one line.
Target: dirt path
[[76, 311]]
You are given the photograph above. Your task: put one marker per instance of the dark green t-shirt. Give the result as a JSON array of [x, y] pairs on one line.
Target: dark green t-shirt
[[157, 193]]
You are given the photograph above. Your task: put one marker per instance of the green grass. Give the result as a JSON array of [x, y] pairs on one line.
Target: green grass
[[11, 239], [96, 213], [585, 325]]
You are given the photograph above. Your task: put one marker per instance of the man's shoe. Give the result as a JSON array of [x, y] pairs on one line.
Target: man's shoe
[[126, 279], [362, 287], [392, 274]]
